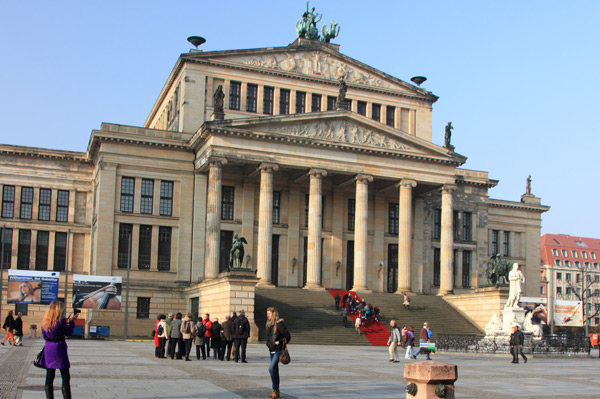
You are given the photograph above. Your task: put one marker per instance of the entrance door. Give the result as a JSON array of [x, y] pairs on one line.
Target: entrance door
[[194, 304], [392, 275], [275, 260], [226, 242], [349, 265]]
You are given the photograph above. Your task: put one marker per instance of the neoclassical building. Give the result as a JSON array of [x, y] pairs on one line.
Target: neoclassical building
[[329, 190]]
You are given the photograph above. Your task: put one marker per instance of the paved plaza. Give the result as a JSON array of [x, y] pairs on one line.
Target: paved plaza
[[119, 369]]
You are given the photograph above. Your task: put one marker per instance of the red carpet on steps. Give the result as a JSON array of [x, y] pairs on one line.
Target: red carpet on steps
[[375, 332]]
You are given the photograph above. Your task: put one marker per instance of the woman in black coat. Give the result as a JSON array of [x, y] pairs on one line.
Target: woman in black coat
[[276, 333]]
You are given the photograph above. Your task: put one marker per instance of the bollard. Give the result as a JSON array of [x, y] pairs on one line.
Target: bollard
[[32, 331], [430, 380]]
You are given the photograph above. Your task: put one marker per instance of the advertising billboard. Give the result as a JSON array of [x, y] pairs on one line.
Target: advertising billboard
[[96, 292], [32, 287], [568, 313]]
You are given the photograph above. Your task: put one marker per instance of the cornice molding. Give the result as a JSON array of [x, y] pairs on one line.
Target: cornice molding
[[517, 205]]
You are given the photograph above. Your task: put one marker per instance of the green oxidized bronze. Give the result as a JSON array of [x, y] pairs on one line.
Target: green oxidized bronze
[[330, 33], [306, 27], [498, 269]]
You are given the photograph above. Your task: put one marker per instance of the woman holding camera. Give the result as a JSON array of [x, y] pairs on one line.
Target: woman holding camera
[[55, 328]]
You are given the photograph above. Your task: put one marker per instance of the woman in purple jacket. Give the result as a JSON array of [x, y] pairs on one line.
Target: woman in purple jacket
[[54, 330]]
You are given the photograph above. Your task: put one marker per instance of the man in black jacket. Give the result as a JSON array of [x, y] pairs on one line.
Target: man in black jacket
[[516, 344], [241, 333], [226, 339]]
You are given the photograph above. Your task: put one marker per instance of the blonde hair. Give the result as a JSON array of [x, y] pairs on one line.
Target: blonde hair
[[275, 316], [54, 312]]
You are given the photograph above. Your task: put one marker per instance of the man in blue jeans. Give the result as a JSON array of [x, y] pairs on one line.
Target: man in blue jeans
[[424, 337]]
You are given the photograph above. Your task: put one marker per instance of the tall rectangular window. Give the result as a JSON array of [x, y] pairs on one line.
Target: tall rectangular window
[[26, 202], [227, 198], [143, 308], [62, 206], [6, 248], [284, 101], [164, 248], [466, 226], [351, 213], [495, 242], [361, 107], [60, 252], [145, 247], [390, 116], [506, 244], [147, 196], [466, 269], [306, 202], [376, 112], [8, 201], [45, 203], [315, 103], [300, 102], [436, 266], [127, 188], [456, 224], [166, 198], [124, 254], [393, 218], [41, 251], [24, 249], [268, 100], [437, 223], [234, 95], [331, 103], [276, 207], [251, 97]]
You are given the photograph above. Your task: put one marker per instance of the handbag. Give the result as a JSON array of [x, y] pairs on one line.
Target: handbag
[[38, 358], [284, 356]]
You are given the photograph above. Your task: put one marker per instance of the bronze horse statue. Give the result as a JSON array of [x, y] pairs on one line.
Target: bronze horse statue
[[498, 270]]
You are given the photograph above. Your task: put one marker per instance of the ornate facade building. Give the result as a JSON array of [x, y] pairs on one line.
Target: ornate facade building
[[330, 188], [570, 271]]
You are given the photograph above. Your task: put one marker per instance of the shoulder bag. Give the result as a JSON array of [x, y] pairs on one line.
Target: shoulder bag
[[284, 356], [38, 358]]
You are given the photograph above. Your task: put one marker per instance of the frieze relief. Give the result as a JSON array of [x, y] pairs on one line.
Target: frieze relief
[[343, 132], [318, 64]]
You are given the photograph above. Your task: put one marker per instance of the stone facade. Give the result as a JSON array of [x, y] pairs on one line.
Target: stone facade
[[325, 198]]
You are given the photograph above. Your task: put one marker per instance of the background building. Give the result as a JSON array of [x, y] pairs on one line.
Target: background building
[[570, 271], [330, 187]]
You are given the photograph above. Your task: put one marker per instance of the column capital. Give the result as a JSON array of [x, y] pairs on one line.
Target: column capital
[[317, 172], [450, 188], [364, 178], [268, 167], [217, 161], [407, 183]]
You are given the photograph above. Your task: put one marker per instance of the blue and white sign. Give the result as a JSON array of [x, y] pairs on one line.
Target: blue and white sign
[[34, 287]]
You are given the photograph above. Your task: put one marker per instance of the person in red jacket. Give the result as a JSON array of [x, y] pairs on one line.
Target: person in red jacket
[[208, 333]]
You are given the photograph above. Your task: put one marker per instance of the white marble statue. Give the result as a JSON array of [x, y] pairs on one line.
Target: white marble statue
[[494, 325], [515, 277], [528, 325]]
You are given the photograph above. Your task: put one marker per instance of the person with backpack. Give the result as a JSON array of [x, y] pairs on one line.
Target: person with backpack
[[215, 338], [199, 332], [161, 335], [186, 332], [241, 333], [424, 337]]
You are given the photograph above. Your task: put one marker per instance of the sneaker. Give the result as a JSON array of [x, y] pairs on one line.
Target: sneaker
[[525, 360], [396, 361], [2, 343], [391, 360]]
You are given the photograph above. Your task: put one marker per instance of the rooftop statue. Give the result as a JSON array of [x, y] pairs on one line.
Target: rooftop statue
[[331, 33], [307, 25], [528, 185], [448, 135]]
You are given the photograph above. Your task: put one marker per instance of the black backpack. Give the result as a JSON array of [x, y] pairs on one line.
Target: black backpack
[[160, 330]]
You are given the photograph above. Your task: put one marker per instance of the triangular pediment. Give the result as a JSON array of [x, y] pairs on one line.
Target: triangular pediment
[[342, 129], [318, 61]]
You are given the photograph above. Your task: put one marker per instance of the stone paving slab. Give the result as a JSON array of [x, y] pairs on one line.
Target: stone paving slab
[[118, 369]]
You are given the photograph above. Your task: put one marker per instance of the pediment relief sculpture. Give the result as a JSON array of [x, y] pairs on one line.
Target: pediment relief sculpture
[[316, 63], [343, 132]]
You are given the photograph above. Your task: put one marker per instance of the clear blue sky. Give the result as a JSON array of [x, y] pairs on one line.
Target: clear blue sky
[[518, 79]]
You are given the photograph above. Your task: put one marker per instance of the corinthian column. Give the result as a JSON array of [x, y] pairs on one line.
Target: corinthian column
[[213, 218], [446, 242], [315, 206], [404, 235], [361, 236], [265, 223]]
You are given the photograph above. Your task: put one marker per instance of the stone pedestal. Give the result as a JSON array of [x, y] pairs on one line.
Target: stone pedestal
[[510, 316], [430, 380], [231, 291], [217, 116]]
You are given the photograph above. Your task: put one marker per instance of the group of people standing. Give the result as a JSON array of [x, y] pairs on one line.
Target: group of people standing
[[174, 335], [406, 337], [14, 329]]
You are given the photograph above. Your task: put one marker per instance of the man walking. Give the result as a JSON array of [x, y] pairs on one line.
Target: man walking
[[9, 327], [19, 329], [241, 333], [424, 337], [516, 344], [393, 342]]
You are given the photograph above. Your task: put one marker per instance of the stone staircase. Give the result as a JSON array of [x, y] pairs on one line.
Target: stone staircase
[[312, 319]]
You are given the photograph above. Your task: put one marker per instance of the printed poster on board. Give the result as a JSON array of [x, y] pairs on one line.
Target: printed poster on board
[[568, 313], [32, 287], [97, 292]]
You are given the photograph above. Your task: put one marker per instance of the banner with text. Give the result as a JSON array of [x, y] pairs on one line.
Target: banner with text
[[32, 287], [96, 292], [568, 313]]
